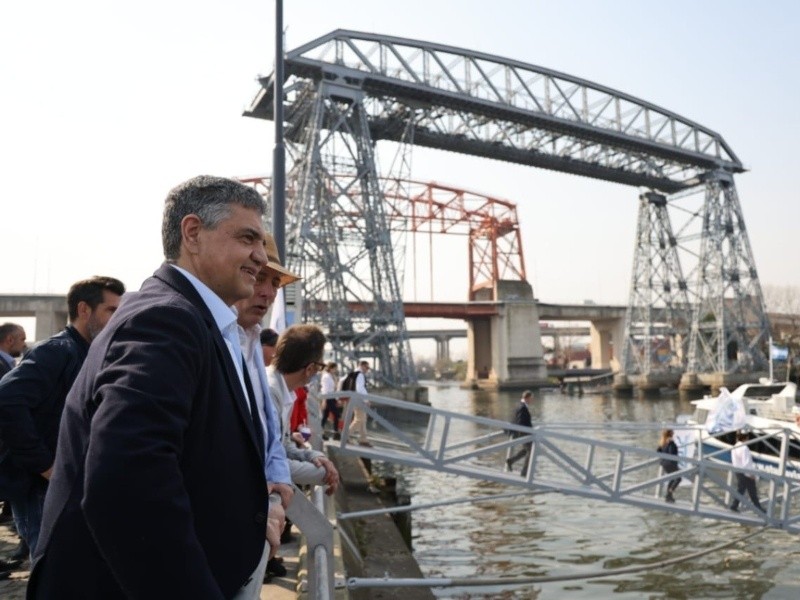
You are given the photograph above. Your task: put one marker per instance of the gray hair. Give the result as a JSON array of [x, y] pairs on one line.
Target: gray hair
[[208, 197]]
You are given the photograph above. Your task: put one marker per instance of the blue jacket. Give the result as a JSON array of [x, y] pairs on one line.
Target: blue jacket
[[31, 402]]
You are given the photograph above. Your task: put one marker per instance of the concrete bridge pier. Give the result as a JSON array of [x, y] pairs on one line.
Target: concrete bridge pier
[[443, 348], [49, 310], [606, 339], [505, 350]]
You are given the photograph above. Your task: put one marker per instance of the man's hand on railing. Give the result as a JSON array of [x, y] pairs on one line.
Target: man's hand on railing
[[331, 474], [276, 520], [285, 491]]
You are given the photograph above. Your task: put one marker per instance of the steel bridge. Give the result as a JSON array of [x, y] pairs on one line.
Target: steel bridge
[[346, 90], [594, 461]]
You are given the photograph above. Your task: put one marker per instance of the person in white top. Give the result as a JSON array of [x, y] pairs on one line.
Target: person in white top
[[359, 424], [327, 385], [742, 458]]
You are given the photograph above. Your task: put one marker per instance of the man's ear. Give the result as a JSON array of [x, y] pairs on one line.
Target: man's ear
[[84, 310], [190, 232]]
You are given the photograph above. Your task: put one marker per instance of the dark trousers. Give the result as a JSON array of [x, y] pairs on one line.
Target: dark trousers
[[525, 452], [673, 483], [331, 408], [748, 484], [28, 508]]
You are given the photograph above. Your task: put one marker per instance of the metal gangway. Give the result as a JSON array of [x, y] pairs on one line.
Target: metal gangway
[[571, 458], [597, 461]]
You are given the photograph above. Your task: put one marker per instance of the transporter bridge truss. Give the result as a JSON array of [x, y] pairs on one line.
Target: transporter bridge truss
[[347, 90]]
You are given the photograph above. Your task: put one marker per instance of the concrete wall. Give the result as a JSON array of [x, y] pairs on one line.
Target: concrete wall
[[50, 312]]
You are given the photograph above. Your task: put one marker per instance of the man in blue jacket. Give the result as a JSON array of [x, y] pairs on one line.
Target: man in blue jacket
[[32, 399]]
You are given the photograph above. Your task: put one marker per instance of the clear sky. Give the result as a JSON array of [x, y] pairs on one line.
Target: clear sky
[[106, 105]]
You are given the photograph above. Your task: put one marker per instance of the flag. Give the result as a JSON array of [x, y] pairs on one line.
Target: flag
[[277, 320], [778, 352]]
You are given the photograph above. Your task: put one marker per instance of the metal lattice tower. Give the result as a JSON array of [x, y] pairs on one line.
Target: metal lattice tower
[[730, 327], [339, 240], [659, 313]]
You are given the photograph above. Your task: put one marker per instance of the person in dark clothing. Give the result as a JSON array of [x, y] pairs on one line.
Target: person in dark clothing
[[12, 345], [522, 417], [32, 400], [668, 446]]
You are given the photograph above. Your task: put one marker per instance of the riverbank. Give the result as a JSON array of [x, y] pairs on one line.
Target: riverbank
[[378, 549]]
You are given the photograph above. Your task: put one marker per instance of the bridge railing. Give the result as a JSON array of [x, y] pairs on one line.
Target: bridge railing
[[590, 460]]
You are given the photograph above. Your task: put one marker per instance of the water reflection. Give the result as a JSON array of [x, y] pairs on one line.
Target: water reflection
[[552, 534]]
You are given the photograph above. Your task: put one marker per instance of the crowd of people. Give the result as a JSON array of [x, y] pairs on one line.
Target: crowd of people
[[151, 449]]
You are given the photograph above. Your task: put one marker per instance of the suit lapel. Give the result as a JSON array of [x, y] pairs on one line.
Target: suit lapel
[[235, 387], [175, 279]]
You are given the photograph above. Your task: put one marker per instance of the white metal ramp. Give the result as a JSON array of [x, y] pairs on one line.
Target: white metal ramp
[[569, 458]]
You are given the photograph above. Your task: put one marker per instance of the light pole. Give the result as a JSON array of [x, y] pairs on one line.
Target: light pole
[[279, 151]]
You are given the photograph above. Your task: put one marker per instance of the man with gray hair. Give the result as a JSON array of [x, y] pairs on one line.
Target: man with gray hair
[[159, 486]]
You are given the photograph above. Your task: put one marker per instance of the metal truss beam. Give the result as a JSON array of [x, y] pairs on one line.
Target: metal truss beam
[[491, 224], [490, 106]]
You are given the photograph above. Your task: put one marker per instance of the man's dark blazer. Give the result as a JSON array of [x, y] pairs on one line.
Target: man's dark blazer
[[523, 415], [31, 401], [158, 489], [4, 368]]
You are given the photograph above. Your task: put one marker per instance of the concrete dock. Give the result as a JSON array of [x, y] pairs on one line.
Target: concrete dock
[[380, 545]]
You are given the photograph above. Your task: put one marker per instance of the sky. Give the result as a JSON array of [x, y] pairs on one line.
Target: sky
[[105, 106]]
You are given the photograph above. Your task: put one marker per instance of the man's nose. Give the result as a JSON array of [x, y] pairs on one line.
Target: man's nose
[[260, 254]]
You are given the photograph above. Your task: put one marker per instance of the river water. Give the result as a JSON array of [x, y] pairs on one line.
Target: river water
[[556, 535]]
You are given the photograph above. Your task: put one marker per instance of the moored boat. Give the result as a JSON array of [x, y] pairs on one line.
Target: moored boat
[[768, 411]]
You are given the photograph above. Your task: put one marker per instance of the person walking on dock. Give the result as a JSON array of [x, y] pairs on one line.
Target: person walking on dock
[[356, 381], [327, 385], [668, 446], [522, 417], [742, 458]]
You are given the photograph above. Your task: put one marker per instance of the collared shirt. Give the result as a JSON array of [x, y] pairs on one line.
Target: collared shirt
[[225, 318], [275, 465], [741, 457], [361, 383], [327, 383], [284, 398]]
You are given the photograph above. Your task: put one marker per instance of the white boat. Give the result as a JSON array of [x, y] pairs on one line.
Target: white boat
[[767, 410]]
